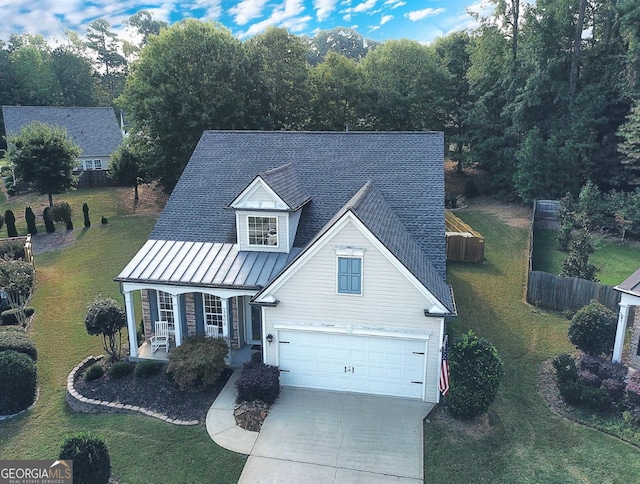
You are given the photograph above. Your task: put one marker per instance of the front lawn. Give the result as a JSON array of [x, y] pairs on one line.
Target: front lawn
[[521, 440], [616, 261], [142, 449]]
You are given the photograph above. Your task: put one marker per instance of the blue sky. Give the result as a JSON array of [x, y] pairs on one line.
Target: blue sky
[[421, 20]]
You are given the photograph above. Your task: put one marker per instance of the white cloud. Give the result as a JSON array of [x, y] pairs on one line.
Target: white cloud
[[420, 14], [247, 10], [394, 3], [364, 6], [324, 8], [373, 28], [285, 14], [385, 19]]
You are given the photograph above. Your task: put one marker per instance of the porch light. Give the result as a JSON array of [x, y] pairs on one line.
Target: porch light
[[269, 338]]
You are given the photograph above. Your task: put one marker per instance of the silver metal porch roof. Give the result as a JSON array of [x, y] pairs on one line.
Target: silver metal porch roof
[[203, 264]]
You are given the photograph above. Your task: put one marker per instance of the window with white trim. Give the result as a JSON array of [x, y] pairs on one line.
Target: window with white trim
[[349, 275], [263, 230], [165, 307], [212, 306], [97, 164]]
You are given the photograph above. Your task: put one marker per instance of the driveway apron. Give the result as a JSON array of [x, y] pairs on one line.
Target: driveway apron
[[313, 436]]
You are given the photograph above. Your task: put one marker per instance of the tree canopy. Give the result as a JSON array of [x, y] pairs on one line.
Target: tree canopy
[[45, 157]]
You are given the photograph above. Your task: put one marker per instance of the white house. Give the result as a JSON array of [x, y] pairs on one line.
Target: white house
[[325, 251]]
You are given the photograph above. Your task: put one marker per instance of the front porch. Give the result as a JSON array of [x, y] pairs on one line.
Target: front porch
[[237, 357]]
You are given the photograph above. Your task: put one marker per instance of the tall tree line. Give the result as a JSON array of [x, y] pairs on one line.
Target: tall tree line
[[543, 95]]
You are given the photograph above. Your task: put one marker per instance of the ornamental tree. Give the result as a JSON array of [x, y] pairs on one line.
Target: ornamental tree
[[17, 278], [593, 329], [106, 317], [44, 156]]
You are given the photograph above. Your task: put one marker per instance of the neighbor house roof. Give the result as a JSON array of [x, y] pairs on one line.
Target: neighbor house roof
[[94, 129], [406, 168]]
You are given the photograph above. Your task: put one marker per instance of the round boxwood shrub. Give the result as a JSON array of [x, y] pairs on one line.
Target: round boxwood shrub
[[91, 461], [20, 342], [18, 381], [9, 317], [475, 375], [593, 329], [198, 361], [147, 368], [120, 370], [93, 372]]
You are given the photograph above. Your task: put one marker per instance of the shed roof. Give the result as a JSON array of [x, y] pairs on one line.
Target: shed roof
[[94, 129]]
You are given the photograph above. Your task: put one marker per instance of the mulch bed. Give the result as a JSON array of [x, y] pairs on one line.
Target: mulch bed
[[154, 393]]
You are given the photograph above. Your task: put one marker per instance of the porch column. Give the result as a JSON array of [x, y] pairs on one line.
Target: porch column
[[224, 303], [177, 317], [623, 316], [131, 324]]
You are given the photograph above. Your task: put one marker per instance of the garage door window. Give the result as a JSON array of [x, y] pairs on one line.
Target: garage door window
[[349, 275]]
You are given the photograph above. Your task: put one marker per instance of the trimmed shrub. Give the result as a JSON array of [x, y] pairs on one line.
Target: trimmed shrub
[[147, 368], [10, 220], [475, 374], [258, 382], [18, 381], [9, 317], [12, 249], [593, 329], [614, 387], [11, 329], [69, 225], [91, 461], [199, 360], [589, 379], [94, 372], [571, 391], [633, 390], [590, 363], [61, 212], [565, 367], [609, 369], [596, 399], [85, 213], [20, 342], [120, 370], [49, 226], [30, 217], [104, 220]]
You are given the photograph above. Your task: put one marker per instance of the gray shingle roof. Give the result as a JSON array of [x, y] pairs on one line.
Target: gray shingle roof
[[285, 181], [95, 130], [407, 169], [631, 285]]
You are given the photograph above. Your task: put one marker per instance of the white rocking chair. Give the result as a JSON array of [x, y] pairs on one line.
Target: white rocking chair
[[211, 330], [161, 338]]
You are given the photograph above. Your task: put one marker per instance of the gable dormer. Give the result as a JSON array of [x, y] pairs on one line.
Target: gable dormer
[[268, 211]]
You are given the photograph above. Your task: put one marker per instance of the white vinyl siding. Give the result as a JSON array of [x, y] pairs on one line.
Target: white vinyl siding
[[390, 301]]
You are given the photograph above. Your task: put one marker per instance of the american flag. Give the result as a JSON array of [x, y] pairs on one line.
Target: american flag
[[443, 383]]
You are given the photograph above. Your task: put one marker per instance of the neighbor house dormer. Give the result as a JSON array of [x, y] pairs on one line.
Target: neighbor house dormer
[[268, 210]]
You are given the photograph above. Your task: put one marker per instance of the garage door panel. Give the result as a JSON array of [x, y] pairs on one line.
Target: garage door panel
[[354, 363]]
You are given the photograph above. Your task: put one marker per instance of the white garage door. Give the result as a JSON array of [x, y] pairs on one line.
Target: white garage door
[[352, 363]]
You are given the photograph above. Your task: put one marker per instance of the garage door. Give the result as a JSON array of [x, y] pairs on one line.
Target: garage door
[[352, 363]]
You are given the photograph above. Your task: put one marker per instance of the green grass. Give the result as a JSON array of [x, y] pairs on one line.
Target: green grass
[[526, 442], [616, 261], [142, 449]]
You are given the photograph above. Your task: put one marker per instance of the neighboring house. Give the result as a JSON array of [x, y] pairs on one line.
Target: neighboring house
[[94, 129], [629, 306], [324, 250]]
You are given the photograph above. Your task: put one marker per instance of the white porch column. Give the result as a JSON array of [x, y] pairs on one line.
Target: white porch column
[[224, 304], [131, 324], [177, 317], [623, 316]]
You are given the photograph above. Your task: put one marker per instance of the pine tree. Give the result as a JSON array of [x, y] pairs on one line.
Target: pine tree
[[10, 220]]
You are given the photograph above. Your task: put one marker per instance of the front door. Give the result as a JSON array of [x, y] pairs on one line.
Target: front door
[[254, 326]]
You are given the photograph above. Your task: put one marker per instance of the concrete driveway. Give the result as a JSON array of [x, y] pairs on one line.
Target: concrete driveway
[[315, 436]]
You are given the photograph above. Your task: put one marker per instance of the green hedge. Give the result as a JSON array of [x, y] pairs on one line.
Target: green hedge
[[9, 317], [20, 342], [18, 381]]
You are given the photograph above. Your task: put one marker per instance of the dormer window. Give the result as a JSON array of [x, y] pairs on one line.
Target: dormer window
[[263, 231]]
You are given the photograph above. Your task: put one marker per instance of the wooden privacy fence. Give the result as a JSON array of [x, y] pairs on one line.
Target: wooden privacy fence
[[562, 293], [463, 243]]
